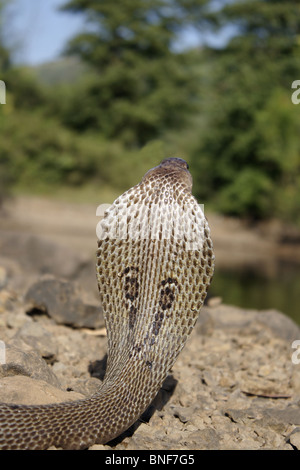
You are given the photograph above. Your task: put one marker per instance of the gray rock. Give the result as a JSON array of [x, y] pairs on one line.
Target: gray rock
[[294, 438], [234, 386], [240, 415], [184, 414], [34, 254], [64, 303], [17, 319], [27, 363], [274, 419], [228, 317], [205, 439], [289, 415], [280, 325], [25, 391], [33, 334], [205, 323]]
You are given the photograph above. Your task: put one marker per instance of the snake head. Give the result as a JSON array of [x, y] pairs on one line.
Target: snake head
[[172, 168], [174, 162]]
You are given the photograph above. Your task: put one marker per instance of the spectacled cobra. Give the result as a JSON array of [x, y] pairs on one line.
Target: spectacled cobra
[[155, 262]]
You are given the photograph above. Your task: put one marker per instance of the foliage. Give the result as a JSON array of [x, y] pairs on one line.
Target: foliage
[[129, 100], [249, 162], [37, 152], [4, 53], [140, 86], [5, 179]]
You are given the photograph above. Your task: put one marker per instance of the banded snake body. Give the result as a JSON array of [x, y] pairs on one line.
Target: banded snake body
[[155, 262]]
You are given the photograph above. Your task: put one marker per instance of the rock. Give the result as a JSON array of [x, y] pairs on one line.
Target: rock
[[294, 438], [37, 255], [17, 319], [14, 276], [27, 363], [229, 317], [289, 415], [33, 334], [26, 391], [98, 447], [64, 303], [241, 416], [205, 323], [234, 385], [205, 439], [214, 301], [281, 325], [184, 414]]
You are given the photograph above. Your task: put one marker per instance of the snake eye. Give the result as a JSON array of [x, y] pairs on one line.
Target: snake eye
[[187, 165]]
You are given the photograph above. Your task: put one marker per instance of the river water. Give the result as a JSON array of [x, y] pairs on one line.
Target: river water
[[253, 288]]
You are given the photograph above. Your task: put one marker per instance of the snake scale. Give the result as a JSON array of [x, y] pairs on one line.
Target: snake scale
[[155, 262]]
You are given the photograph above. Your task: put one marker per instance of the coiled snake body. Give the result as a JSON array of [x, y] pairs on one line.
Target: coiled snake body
[[154, 266]]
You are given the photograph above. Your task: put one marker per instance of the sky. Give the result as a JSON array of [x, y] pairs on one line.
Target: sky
[[38, 31]]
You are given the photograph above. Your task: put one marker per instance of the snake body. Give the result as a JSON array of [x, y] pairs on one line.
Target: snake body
[[154, 265]]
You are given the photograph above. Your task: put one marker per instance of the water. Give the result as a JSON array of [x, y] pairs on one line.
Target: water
[[251, 288]]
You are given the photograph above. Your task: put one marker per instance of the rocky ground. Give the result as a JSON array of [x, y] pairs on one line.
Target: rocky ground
[[234, 386]]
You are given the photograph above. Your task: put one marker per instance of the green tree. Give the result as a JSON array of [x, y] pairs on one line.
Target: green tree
[[5, 177], [4, 53], [140, 86], [249, 163]]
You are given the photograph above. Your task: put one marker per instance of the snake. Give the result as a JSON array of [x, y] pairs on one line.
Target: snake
[[154, 264]]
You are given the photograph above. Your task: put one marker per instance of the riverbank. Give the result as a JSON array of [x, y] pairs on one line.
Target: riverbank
[[257, 266], [237, 244]]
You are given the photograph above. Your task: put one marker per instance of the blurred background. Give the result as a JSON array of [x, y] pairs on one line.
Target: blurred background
[[99, 91]]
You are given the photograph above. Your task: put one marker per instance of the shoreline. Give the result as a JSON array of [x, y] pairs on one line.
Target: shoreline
[[236, 243]]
